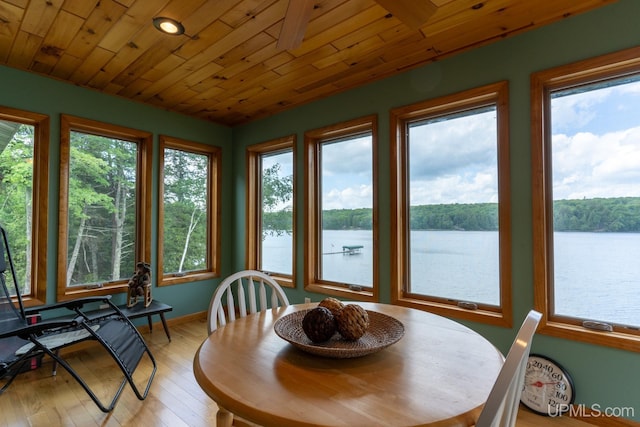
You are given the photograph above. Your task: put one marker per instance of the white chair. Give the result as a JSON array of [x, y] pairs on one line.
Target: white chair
[[251, 293], [248, 284], [501, 408]]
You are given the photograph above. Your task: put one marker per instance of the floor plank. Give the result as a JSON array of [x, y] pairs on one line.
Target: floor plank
[[39, 400]]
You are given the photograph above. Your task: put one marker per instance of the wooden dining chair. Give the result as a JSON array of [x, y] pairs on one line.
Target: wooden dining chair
[[244, 292], [501, 408]]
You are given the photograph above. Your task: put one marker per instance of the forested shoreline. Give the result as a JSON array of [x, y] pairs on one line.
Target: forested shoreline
[[621, 214]]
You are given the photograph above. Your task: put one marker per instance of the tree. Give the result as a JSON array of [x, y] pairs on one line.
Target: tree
[[16, 192], [88, 176], [101, 208], [277, 192], [185, 204]]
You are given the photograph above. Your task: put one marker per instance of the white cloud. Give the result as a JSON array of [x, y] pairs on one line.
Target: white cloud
[[360, 196], [352, 157], [587, 165], [477, 188], [454, 161], [576, 110], [452, 147], [347, 174]]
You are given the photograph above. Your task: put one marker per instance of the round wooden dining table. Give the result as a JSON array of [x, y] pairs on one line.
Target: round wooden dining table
[[439, 373]]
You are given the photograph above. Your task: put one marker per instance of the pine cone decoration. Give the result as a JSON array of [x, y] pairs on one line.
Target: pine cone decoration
[[334, 305], [352, 321], [319, 324]]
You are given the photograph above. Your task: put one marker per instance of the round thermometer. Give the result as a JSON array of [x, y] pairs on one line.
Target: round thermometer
[[548, 388]]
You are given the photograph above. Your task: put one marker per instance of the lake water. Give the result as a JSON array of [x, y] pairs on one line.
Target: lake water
[[597, 275]]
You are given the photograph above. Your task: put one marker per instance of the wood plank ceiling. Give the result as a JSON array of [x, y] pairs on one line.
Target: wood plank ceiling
[[227, 67]]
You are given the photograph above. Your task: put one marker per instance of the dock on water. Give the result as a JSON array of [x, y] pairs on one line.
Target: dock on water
[[351, 249], [346, 250]]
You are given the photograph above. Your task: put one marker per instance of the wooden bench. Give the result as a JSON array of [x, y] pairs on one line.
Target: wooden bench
[[139, 310]]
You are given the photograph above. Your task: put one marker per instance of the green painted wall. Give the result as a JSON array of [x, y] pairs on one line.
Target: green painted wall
[[34, 93], [603, 376]]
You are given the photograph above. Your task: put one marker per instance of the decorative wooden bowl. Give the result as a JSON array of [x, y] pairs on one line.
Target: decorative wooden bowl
[[383, 331]]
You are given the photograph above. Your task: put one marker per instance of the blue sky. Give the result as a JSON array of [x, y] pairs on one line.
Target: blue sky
[[596, 143], [596, 153], [454, 161], [347, 174]]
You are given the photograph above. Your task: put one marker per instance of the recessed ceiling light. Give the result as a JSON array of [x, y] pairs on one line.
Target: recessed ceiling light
[[168, 26]]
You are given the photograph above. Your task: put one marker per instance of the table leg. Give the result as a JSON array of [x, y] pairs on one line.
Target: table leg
[[224, 418], [150, 324], [164, 324]]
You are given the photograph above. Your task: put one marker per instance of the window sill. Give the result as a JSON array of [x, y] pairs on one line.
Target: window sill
[[172, 279], [29, 301], [479, 315], [340, 291], [615, 339], [284, 281], [82, 291]]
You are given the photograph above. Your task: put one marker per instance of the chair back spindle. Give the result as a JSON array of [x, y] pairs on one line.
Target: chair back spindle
[[501, 408], [245, 292]]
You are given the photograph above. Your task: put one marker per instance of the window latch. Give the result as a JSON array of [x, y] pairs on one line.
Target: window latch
[[468, 305], [597, 326]]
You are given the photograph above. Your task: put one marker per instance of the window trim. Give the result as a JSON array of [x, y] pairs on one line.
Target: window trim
[[591, 70], [40, 200], [214, 155], [253, 196], [143, 203], [496, 94], [313, 195]]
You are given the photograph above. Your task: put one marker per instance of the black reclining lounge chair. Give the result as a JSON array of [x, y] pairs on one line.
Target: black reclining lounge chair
[[21, 341]]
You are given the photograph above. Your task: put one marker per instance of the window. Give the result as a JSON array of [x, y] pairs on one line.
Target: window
[[188, 230], [271, 208], [105, 206], [586, 199], [341, 229], [24, 188], [451, 208]]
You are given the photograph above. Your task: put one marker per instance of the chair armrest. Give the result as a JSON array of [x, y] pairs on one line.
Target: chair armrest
[[71, 304], [36, 328]]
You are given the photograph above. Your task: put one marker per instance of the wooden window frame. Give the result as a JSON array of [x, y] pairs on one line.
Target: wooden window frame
[[312, 198], [497, 95], [591, 70], [143, 199], [253, 227], [214, 164], [40, 200]]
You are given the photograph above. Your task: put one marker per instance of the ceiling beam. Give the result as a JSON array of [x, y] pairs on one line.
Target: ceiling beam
[[295, 23]]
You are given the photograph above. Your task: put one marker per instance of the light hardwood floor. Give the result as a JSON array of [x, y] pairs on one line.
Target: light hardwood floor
[[38, 399]]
